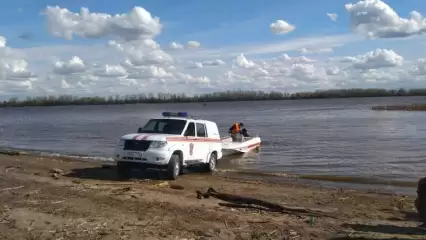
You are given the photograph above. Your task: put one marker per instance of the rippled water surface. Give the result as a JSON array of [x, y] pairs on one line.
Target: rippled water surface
[[329, 137]]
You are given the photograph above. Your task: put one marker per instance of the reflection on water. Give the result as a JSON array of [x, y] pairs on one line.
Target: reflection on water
[[238, 160]]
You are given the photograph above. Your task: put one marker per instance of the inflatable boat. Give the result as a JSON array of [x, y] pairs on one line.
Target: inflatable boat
[[240, 146]]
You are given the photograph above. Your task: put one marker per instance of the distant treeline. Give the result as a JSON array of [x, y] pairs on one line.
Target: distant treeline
[[227, 96]]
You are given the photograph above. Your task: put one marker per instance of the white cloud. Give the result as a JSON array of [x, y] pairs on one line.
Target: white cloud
[[243, 62], [306, 72], [198, 65], [279, 47], [188, 79], [419, 68], [332, 16], [379, 58], [193, 44], [74, 65], [333, 70], [283, 71], [65, 84], [111, 71], [134, 45], [156, 57], [2, 42], [175, 45], [152, 72], [216, 62], [137, 24], [281, 27], [15, 87], [159, 72], [15, 77], [376, 19], [316, 51], [286, 59], [15, 70]]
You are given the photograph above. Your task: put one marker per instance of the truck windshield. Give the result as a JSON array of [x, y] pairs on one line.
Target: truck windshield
[[164, 126]]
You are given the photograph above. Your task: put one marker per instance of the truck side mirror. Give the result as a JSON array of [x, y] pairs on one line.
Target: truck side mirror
[[140, 130]]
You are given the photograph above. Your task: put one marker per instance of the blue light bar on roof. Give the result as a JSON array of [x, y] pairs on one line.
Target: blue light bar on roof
[[175, 114]]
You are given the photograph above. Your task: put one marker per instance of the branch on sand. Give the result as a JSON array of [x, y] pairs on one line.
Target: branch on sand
[[248, 202], [11, 188]]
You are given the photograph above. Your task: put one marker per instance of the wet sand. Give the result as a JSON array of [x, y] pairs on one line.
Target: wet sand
[[58, 198]]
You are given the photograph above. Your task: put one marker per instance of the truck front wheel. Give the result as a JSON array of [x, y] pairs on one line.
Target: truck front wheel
[[174, 167], [123, 170]]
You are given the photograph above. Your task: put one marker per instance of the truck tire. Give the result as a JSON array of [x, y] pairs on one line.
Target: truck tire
[[211, 165], [174, 167], [123, 170], [420, 202]]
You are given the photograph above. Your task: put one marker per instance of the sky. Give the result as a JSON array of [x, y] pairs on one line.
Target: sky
[[105, 48]]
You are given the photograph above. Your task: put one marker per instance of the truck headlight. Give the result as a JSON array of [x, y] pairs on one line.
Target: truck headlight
[[120, 142], [158, 144]]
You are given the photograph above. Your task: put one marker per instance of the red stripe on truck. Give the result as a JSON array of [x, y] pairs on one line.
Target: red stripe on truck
[[184, 139], [146, 137], [136, 136]]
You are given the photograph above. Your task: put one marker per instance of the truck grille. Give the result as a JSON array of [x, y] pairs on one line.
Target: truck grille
[[136, 145]]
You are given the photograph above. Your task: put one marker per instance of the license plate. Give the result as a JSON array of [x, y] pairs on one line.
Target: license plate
[[135, 154]]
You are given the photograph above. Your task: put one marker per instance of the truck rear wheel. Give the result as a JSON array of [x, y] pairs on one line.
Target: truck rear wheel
[[174, 167], [211, 165]]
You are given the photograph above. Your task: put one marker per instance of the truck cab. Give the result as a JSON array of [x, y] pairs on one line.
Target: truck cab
[[171, 142]]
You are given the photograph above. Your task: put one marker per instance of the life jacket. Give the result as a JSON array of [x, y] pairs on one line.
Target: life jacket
[[236, 128]]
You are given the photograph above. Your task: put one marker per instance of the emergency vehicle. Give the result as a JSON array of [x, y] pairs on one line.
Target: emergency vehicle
[[172, 142]]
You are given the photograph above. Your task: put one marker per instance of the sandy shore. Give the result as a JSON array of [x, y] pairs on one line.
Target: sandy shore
[[53, 198]]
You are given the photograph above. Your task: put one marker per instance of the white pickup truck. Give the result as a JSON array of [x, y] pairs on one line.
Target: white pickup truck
[[172, 142]]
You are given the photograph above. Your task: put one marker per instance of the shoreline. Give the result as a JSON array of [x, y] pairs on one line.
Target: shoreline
[[368, 184], [53, 197]]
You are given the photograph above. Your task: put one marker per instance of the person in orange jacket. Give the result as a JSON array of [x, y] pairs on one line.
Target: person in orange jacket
[[236, 129]]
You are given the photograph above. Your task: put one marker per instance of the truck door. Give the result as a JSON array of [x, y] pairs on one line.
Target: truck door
[[203, 145], [190, 144]]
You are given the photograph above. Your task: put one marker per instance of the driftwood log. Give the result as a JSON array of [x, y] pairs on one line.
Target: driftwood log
[[420, 201], [236, 201]]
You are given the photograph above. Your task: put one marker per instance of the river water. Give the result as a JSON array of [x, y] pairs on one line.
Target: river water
[[333, 137]]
